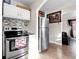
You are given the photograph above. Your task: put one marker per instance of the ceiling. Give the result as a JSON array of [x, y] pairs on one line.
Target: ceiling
[[52, 5], [26, 2]]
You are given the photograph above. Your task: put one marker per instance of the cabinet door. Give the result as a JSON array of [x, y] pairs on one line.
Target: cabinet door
[[9, 11], [26, 14], [23, 14], [19, 13], [15, 12]]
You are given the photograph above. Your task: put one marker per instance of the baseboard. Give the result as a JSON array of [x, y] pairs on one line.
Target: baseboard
[[55, 43]]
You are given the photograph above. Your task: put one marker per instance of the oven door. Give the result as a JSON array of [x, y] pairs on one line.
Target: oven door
[[14, 51]]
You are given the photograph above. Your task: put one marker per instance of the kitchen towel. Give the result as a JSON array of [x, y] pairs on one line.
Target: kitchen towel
[[20, 42]]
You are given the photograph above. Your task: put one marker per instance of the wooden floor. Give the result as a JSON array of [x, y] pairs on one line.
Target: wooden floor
[[59, 52]]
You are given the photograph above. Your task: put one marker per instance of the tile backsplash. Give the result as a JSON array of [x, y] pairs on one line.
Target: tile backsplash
[[9, 22]]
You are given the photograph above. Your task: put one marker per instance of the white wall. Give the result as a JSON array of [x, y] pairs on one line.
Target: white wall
[[65, 17], [55, 29], [68, 12], [54, 32]]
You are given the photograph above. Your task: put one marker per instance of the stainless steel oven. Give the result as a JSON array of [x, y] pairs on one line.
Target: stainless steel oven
[[16, 44]]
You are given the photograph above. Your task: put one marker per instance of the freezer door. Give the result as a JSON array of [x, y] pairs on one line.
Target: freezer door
[[43, 22], [39, 22], [44, 38]]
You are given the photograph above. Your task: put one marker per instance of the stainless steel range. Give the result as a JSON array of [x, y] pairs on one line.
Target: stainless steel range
[[15, 44]]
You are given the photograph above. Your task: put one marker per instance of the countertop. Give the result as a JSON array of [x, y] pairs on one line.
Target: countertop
[[31, 33]]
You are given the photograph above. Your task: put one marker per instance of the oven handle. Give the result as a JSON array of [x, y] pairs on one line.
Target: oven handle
[[10, 39]]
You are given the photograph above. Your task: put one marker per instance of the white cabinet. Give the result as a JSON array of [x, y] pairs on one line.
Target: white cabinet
[[9, 11], [26, 14], [15, 12], [23, 14]]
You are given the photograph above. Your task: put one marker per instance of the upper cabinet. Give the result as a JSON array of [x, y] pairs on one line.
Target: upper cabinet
[[15, 12], [9, 11]]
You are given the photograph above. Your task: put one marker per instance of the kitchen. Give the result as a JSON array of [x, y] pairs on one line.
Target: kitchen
[[19, 26], [15, 32], [20, 19]]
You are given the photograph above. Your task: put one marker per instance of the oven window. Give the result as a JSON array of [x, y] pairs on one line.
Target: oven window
[[12, 45], [18, 43]]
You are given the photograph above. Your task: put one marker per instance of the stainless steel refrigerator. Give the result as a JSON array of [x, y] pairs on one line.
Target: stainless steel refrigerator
[[43, 33]]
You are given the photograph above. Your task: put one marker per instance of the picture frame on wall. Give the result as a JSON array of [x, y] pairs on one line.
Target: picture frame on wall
[[54, 17]]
